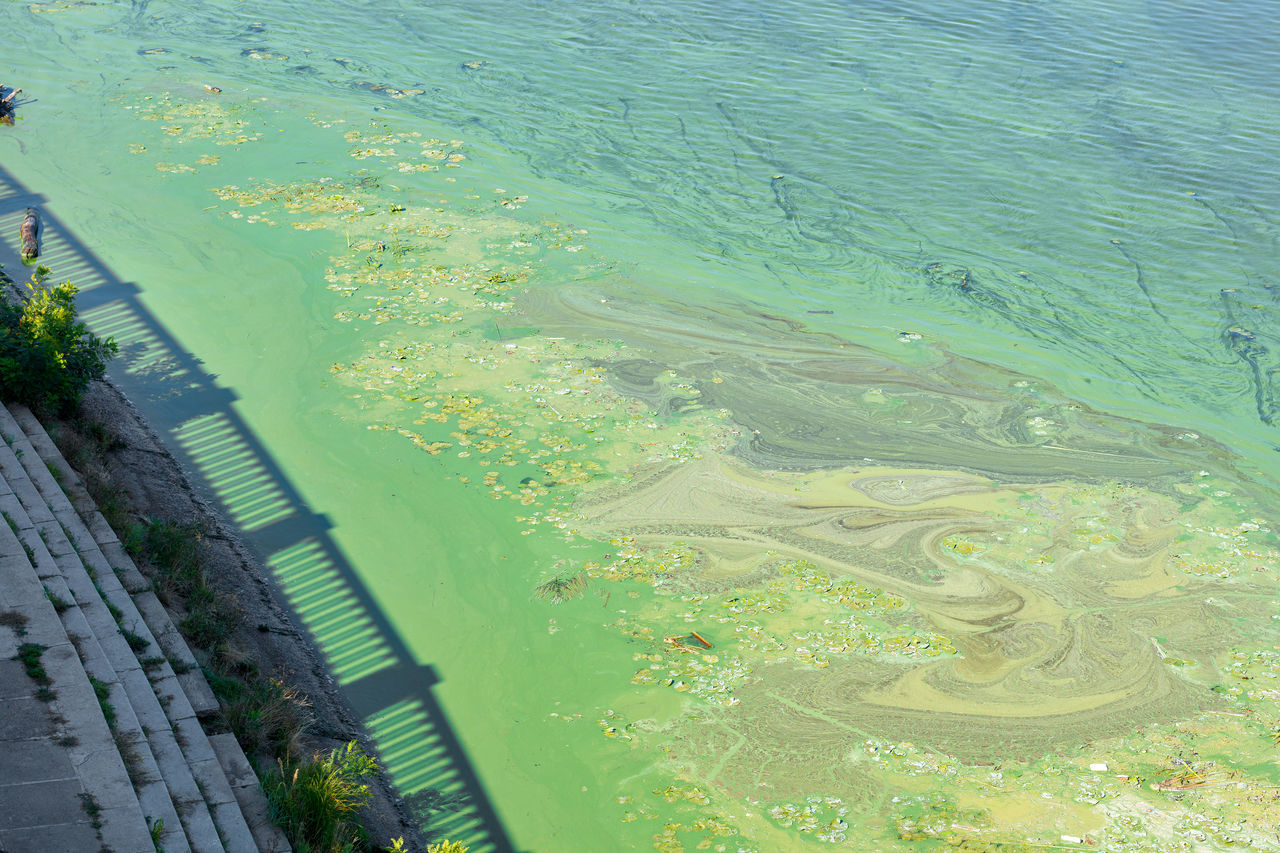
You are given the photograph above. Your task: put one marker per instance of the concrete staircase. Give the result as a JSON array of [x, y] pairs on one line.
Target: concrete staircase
[[150, 777]]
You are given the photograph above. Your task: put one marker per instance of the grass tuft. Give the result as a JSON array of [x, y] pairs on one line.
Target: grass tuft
[[29, 654], [137, 642], [316, 802], [92, 809], [102, 690], [152, 662], [265, 714], [59, 603]]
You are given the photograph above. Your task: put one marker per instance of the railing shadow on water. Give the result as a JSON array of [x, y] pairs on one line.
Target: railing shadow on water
[[377, 673]]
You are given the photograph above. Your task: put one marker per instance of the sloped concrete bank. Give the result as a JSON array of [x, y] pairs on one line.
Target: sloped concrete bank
[[156, 486], [152, 484]]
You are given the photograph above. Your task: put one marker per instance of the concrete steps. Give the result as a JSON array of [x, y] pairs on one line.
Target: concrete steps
[[88, 800], [188, 787]]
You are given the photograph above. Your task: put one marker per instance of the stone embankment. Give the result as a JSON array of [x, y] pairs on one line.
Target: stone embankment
[[103, 709]]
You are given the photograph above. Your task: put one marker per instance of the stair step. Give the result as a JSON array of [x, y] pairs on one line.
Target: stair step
[[248, 793]]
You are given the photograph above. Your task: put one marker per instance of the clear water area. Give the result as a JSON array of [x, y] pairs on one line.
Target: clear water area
[[787, 427]]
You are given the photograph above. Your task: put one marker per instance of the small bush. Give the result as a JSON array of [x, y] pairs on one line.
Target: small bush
[[315, 802], [47, 356]]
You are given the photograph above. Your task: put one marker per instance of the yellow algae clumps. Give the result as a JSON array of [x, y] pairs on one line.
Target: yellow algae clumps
[[183, 121], [60, 6], [542, 408]]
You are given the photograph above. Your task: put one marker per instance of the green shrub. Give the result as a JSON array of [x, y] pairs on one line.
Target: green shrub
[[315, 802], [47, 356], [397, 846], [447, 847]]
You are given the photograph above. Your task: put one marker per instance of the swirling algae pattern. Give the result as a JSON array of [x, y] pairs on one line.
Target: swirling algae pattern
[[1044, 657], [1074, 561]]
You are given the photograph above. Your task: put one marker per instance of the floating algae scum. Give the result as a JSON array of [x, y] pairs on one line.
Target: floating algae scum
[[888, 645], [972, 524]]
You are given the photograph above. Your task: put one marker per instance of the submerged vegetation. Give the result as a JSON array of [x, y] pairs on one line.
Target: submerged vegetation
[[562, 588]]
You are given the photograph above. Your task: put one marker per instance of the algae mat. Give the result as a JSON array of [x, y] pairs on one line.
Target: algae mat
[[750, 489]]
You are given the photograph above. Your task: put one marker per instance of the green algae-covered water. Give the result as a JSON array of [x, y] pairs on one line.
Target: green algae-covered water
[[780, 427]]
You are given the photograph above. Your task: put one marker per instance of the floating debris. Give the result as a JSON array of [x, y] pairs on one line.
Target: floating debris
[[691, 642], [30, 234]]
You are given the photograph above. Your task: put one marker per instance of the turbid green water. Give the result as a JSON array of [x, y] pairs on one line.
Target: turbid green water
[[918, 359]]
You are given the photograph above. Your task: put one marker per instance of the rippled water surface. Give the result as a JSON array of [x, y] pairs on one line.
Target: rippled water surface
[[781, 426]]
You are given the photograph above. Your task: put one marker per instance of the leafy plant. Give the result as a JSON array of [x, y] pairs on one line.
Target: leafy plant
[[157, 829], [47, 356]]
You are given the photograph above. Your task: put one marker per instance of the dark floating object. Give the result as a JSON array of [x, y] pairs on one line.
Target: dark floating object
[[6, 105], [31, 235]]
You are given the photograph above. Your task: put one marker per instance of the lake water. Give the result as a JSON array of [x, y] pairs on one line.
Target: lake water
[[780, 426]]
